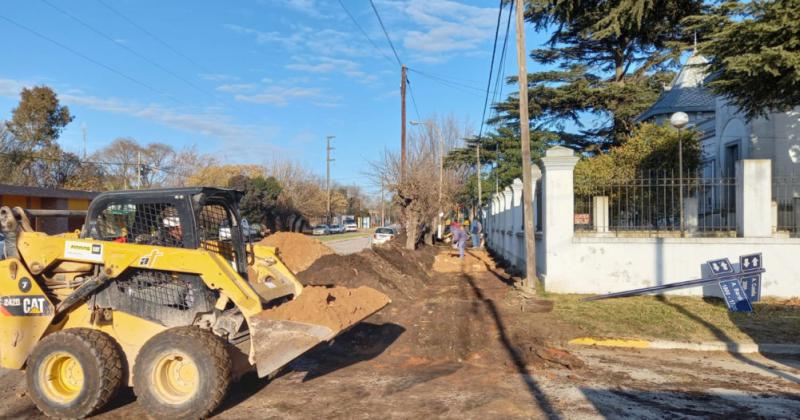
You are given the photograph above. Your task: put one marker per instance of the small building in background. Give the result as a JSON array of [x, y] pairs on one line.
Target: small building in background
[[48, 199]]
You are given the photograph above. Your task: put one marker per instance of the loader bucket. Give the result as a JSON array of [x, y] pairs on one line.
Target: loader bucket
[[318, 314]]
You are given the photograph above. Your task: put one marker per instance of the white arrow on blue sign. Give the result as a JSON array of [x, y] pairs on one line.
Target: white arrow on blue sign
[[735, 297], [752, 287], [750, 262], [721, 266]]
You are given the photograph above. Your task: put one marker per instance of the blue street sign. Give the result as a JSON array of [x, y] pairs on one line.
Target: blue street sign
[[750, 262], [721, 266], [735, 297], [752, 287]]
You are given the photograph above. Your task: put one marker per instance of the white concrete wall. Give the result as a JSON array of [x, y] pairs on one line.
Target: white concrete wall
[[602, 263]]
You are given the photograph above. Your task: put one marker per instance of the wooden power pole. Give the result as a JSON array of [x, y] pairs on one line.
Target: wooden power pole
[[403, 122], [525, 132], [478, 175], [328, 161]]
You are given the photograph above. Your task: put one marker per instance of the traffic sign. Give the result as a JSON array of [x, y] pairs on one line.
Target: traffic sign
[[752, 287], [750, 262], [720, 266], [735, 297]]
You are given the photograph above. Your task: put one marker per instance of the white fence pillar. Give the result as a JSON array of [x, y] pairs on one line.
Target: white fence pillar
[[754, 198], [559, 209], [600, 213]]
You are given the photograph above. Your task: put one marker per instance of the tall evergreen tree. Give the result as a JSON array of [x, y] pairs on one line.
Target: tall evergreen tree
[[754, 49]]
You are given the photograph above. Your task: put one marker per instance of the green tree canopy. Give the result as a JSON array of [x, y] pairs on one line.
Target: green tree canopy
[[650, 149], [260, 197], [754, 50]]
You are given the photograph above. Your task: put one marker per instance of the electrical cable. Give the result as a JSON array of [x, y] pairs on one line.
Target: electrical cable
[[126, 48], [385, 32], [363, 32], [89, 59]]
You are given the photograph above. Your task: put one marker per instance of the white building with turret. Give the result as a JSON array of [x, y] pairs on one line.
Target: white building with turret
[[726, 134]]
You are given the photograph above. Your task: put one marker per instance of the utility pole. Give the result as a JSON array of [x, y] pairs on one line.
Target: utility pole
[[383, 211], [525, 132], [83, 129], [328, 161], [403, 70], [139, 170], [478, 174]]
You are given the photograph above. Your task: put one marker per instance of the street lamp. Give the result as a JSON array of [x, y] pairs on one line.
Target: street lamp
[[679, 121], [441, 170]]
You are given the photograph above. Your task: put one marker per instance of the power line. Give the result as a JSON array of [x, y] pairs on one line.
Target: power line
[[491, 69], [363, 32], [413, 101], [125, 47], [152, 35], [445, 81], [89, 162], [385, 32], [89, 59]]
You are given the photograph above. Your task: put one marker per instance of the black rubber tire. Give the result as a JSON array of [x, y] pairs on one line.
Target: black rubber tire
[[100, 358], [209, 354]]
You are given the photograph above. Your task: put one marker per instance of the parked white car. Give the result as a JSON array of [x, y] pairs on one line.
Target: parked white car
[[382, 235], [321, 230]]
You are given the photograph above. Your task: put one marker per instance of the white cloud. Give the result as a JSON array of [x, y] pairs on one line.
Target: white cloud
[[302, 38], [236, 87], [279, 95], [324, 65], [217, 77]]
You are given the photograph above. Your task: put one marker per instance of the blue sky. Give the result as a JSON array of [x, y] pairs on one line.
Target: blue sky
[[251, 81]]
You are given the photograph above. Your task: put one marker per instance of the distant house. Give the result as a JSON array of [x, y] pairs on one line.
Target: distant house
[[726, 135], [48, 199]]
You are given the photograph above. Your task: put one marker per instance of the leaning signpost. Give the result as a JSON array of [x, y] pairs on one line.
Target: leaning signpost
[[740, 289]]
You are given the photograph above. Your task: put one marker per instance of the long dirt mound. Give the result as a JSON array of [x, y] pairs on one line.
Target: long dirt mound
[[334, 307], [296, 250]]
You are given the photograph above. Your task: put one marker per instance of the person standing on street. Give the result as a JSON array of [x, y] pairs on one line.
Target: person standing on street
[[459, 239], [475, 230]]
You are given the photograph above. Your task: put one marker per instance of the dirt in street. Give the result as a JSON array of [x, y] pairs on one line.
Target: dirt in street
[[333, 307], [296, 250], [466, 344]]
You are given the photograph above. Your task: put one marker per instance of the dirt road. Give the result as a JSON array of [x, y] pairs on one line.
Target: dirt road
[[350, 245], [468, 346]]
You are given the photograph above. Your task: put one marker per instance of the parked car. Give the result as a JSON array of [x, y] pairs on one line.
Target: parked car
[[382, 235], [350, 225], [321, 230], [337, 229]]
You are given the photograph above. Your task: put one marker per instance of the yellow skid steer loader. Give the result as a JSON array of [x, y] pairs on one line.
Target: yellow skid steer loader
[[160, 290]]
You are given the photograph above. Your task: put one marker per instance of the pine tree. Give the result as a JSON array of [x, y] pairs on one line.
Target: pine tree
[[755, 53]]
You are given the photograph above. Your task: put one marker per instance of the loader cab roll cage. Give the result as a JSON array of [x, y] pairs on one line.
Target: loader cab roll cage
[[192, 218]]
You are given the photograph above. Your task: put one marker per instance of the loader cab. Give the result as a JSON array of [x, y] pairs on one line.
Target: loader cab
[[193, 218]]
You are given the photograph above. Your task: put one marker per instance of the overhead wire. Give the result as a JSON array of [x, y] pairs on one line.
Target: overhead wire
[[154, 36], [81, 161], [491, 70], [125, 47], [363, 32], [385, 32], [498, 93], [91, 60]]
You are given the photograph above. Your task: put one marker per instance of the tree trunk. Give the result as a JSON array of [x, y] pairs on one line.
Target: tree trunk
[[412, 230]]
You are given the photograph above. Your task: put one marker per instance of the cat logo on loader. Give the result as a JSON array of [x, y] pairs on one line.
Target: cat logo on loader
[[161, 291]]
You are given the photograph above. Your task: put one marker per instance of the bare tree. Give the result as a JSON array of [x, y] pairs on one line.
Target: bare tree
[[419, 194]]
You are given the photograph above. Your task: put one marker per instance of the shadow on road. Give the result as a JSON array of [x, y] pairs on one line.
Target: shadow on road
[[722, 336], [513, 352], [363, 342]]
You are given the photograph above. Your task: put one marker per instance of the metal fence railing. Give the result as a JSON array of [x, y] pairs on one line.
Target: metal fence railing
[[786, 194], [650, 205]]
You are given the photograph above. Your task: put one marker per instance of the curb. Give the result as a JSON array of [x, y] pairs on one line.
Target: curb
[[730, 347]]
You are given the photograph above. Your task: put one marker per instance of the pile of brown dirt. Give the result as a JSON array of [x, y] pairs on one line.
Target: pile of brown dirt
[[296, 250], [334, 307], [366, 268], [448, 262], [451, 315]]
